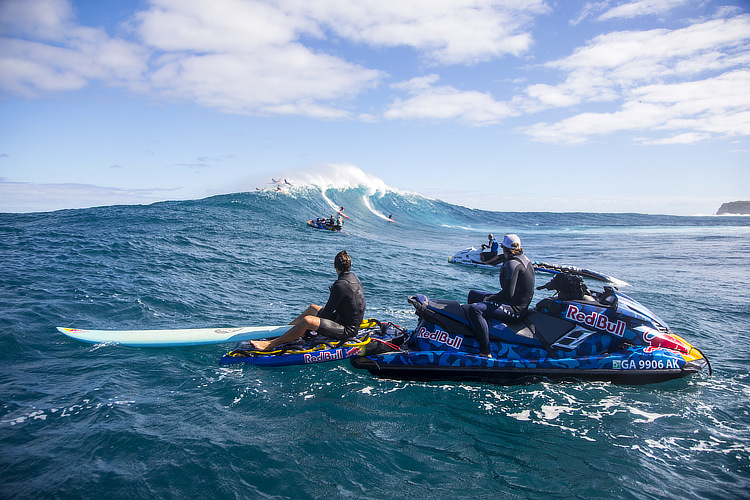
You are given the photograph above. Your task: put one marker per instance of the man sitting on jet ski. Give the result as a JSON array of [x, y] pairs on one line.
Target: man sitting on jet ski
[[490, 257], [512, 302]]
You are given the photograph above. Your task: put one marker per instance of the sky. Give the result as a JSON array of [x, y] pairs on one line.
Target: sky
[[507, 105]]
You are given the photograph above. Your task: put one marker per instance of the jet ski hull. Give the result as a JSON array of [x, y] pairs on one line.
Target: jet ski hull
[[610, 337], [442, 365]]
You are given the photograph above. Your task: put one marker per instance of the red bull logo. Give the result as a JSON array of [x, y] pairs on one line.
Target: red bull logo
[[659, 340], [354, 351], [595, 320], [440, 336], [324, 356]]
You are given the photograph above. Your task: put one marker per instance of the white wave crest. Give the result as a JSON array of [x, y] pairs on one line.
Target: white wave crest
[[340, 176]]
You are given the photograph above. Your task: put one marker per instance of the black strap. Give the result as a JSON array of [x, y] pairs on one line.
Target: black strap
[[539, 337]]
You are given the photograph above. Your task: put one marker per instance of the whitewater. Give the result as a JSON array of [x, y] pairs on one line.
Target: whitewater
[[82, 421]]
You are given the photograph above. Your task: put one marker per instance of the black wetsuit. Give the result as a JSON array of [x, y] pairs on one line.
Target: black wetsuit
[[341, 316], [517, 283]]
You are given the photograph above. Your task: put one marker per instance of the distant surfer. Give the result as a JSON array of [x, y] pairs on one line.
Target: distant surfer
[[280, 181], [490, 257], [339, 319], [340, 211], [512, 302]]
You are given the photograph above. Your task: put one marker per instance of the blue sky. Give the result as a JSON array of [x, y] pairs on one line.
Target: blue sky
[[509, 105]]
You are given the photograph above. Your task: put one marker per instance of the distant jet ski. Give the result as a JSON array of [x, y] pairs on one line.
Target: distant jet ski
[[471, 257], [326, 224], [584, 335]]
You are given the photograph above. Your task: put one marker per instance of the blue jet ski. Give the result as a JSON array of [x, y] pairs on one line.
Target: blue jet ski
[[575, 334]]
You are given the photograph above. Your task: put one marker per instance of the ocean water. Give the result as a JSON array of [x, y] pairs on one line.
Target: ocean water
[[84, 421]]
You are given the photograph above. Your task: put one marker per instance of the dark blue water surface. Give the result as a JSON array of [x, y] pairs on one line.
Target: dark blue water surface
[[84, 421]]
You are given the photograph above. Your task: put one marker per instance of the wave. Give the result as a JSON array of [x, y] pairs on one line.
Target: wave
[[297, 196]]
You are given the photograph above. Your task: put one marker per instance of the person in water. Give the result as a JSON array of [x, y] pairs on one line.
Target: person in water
[[512, 302], [341, 316], [493, 246]]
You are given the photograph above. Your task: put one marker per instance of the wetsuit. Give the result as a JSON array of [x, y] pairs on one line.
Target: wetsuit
[[517, 290], [494, 247], [341, 316]]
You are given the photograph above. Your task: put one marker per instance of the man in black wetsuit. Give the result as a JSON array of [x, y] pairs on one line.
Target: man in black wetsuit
[[341, 316], [512, 303]]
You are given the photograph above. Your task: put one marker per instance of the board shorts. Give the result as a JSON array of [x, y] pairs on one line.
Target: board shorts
[[331, 329], [485, 256]]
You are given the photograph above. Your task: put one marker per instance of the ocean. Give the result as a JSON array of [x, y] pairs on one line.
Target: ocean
[[84, 421]]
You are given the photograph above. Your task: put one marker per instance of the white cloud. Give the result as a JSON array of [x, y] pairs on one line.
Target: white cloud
[[41, 197], [445, 31], [693, 110], [631, 56], [687, 80], [78, 55], [686, 138], [219, 26], [265, 57], [446, 103], [284, 80], [604, 11], [42, 19], [250, 56], [639, 8]]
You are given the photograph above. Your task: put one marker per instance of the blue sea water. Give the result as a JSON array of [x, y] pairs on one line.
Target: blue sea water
[[84, 421]]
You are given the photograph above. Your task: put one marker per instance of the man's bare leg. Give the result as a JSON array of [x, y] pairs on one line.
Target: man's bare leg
[[312, 310], [308, 320]]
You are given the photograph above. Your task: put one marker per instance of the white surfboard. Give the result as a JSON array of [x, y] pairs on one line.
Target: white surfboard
[[175, 338]]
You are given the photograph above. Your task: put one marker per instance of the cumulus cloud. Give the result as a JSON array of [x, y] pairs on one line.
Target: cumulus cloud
[[639, 8], [692, 111], [605, 10], [446, 32], [446, 103], [691, 80], [48, 52], [301, 57], [250, 56]]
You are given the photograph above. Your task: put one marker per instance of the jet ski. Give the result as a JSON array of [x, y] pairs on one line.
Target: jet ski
[[326, 224], [574, 334], [471, 257]]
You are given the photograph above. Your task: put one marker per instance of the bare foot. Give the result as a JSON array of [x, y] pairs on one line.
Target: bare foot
[[260, 345]]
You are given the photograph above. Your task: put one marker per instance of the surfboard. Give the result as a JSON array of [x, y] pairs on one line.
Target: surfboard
[[176, 337], [342, 214]]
